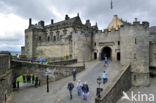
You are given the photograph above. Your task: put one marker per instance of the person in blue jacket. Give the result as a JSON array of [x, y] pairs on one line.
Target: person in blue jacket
[[104, 76], [70, 88], [85, 90]]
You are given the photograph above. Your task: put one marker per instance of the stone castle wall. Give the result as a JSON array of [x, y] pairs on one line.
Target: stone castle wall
[[5, 77], [152, 50], [52, 51]]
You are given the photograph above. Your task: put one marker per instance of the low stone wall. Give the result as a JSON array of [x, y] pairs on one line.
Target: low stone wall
[[113, 92], [4, 62], [57, 71], [63, 62], [54, 61], [5, 77]]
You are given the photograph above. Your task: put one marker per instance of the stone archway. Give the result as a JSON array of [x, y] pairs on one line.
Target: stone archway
[[106, 52]]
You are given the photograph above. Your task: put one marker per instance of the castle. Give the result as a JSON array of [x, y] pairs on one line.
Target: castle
[[130, 43]]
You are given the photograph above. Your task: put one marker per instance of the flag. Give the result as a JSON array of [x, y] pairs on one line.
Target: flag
[[111, 4]]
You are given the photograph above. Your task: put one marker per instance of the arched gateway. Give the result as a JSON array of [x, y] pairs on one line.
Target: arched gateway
[[105, 52]]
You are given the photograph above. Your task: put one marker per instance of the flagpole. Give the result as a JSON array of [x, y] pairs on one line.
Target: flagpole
[[111, 4]]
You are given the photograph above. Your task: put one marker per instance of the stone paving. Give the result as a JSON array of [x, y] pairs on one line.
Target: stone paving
[[142, 90], [58, 90]]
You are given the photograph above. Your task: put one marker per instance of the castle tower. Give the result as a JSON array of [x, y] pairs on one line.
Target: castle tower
[[135, 51], [81, 44]]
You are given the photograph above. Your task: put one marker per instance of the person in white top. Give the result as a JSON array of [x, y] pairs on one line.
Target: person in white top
[[79, 87]]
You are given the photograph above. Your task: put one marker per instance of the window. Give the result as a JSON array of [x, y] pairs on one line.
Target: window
[[54, 38], [95, 44], [39, 38], [135, 41], [48, 38], [64, 31], [60, 36], [118, 42], [134, 77]]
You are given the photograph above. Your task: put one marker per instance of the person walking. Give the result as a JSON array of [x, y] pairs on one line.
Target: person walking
[[27, 77], [104, 76], [32, 59], [70, 88], [74, 74], [36, 81], [85, 90], [79, 87], [18, 57], [23, 78], [105, 62], [33, 78], [40, 60]]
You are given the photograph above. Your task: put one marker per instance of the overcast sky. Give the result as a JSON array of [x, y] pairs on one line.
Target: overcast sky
[[14, 15]]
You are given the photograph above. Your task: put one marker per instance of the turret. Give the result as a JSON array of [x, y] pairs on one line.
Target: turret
[[88, 23], [67, 17], [136, 22]]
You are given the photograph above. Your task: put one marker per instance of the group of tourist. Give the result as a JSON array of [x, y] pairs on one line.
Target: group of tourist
[[81, 89], [30, 78], [42, 60]]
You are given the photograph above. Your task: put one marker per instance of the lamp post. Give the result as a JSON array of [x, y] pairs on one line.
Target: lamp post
[[47, 74], [47, 84], [99, 80], [84, 61]]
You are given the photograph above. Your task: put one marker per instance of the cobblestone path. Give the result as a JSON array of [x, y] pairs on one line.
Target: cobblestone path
[[58, 90]]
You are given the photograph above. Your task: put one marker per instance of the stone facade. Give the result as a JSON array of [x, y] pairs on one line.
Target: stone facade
[[130, 43]]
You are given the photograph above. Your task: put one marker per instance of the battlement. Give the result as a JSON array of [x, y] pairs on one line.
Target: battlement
[[143, 24]]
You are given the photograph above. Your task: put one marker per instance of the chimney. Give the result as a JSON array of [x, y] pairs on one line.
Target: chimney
[[66, 17], [29, 21], [88, 23], [41, 23], [52, 21], [136, 19]]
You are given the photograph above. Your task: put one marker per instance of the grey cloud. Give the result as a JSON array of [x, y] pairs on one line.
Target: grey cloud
[[96, 10], [29, 8], [14, 43]]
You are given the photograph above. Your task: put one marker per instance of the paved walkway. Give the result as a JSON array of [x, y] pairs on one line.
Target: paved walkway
[[58, 90]]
